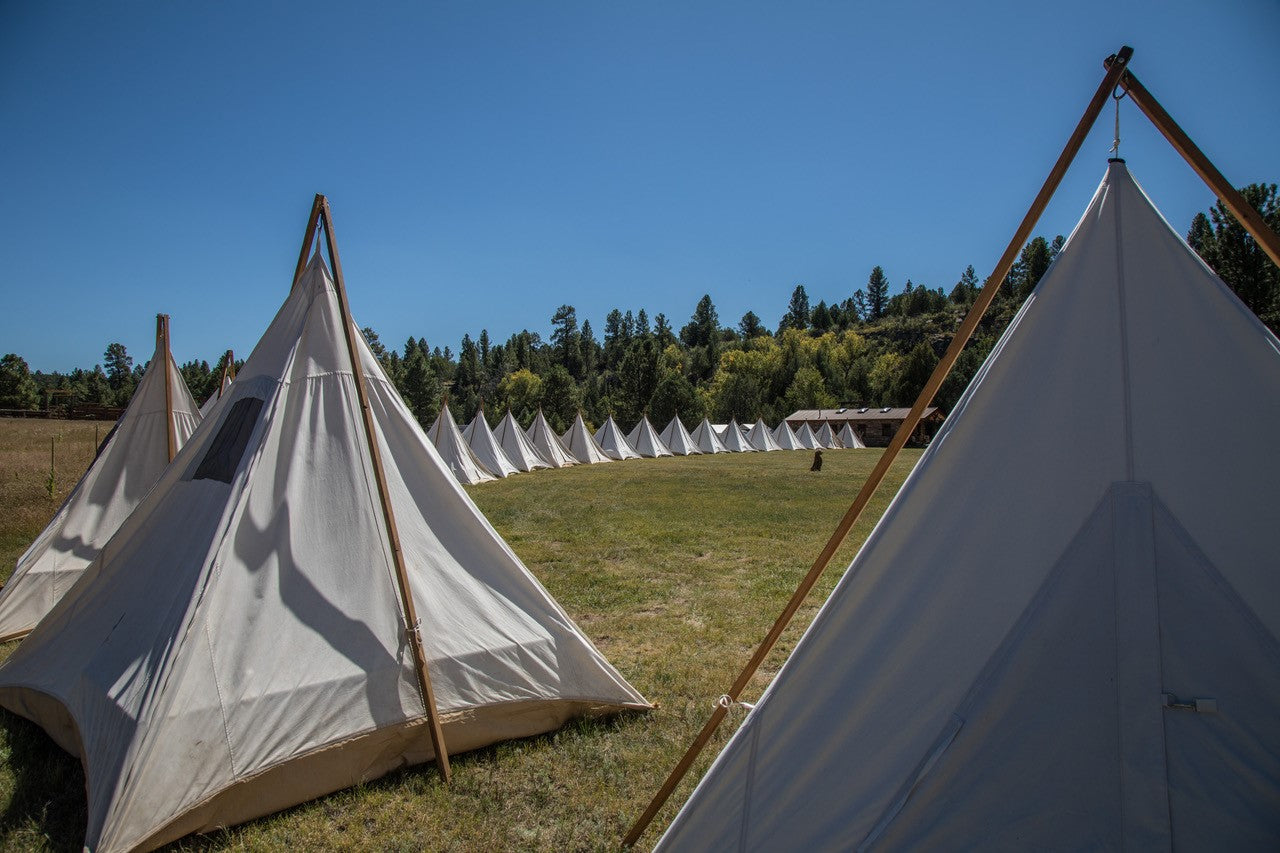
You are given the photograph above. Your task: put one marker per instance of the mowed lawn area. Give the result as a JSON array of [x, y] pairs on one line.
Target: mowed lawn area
[[675, 568]]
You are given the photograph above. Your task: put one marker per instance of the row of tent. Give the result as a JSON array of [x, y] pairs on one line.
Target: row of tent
[[479, 454], [235, 613], [1043, 643]]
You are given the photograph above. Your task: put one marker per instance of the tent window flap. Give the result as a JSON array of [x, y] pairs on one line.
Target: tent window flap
[[223, 456]]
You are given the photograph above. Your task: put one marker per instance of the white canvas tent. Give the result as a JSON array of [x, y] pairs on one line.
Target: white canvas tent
[[582, 444], [480, 439], [827, 437], [849, 439], [613, 442], [786, 438], [761, 438], [454, 451], [548, 444], [678, 440], [735, 440], [645, 439], [225, 379], [160, 417], [704, 436], [806, 438], [516, 445], [1092, 661], [248, 641]]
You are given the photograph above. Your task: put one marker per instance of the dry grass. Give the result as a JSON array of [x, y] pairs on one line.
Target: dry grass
[[674, 567]]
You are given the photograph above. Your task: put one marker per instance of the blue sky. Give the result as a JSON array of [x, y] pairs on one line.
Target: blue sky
[[489, 161]]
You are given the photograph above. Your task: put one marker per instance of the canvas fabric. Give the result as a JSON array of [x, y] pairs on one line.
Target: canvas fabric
[[807, 439], [678, 440], [548, 444], [761, 438], [827, 437], [735, 440], [706, 439], [582, 443], [613, 442], [785, 436], [516, 445], [131, 461], [485, 446], [645, 439], [223, 385], [849, 439], [1051, 640], [240, 645], [454, 451]]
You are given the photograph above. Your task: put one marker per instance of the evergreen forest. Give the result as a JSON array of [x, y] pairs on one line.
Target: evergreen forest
[[865, 348]]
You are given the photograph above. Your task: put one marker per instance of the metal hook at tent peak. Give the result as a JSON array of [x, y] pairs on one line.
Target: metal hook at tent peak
[[1115, 142]]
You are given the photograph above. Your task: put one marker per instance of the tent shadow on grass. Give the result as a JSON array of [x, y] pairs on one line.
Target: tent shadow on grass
[[47, 801]]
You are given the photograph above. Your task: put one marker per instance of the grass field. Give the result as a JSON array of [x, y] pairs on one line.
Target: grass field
[[674, 567]]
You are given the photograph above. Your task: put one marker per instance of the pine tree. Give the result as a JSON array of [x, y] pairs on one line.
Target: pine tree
[[1236, 257], [797, 316], [750, 327], [877, 294]]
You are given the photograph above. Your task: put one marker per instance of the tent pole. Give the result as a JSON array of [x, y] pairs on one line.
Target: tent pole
[[1227, 194], [967, 327], [162, 347], [307, 237], [380, 475]]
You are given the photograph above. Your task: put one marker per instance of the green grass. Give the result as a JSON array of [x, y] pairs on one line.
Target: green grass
[[674, 567]]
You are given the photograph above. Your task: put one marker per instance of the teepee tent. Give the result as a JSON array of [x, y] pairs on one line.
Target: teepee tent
[[613, 442], [480, 439], [735, 439], [645, 439], [160, 417], [678, 440], [516, 445], [225, 378], [761, 438], [827, 437], [548, 444], [849, 439], [582, 444], [786, 438], [704, 436], [252, 637], [454, 451], [806, 438], [1093, 660]]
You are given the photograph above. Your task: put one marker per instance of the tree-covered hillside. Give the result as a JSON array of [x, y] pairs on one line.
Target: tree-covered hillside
[[864, 347]]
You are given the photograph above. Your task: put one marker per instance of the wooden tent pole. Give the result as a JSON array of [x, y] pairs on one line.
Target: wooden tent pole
[[393, 531], [307, 237], [900, 438], [162, 348], [1244, 212]]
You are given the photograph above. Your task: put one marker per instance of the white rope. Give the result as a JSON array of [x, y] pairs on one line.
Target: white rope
[[726, 702], [1115, 142]]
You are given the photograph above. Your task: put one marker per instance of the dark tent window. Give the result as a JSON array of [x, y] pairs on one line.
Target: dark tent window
[[223, 458]]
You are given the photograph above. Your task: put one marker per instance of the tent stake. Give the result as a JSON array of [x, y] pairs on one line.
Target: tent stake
[[967, 327], [1243, 211], [162, 347], [321, 212]]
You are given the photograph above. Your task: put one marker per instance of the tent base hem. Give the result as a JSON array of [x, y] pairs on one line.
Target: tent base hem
[[326, 769]]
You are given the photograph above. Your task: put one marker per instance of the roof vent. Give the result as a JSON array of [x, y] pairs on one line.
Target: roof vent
[[885, 409], [841, 410], [863, 410]]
